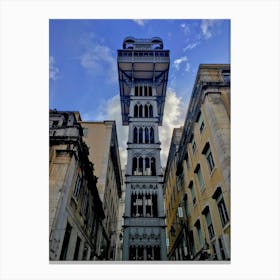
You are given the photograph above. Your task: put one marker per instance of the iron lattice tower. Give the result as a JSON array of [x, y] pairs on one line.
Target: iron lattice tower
[[143, 67]]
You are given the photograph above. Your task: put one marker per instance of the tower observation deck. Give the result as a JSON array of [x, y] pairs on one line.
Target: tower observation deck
[[143, 67]]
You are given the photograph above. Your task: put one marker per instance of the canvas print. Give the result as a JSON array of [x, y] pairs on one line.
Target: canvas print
[[139, 141]]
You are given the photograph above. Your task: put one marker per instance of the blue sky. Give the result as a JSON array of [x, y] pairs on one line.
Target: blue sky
[[83, 65]]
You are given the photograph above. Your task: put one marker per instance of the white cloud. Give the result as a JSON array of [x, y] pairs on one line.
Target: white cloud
[[185, 28], [207, 27], [191, 46], [98, 59], [111, 110], [53, 69], [174, 114], [179, 61], [140, 22], [182, 62]]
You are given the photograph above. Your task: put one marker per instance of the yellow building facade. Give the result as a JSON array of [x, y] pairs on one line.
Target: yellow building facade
[[199, 198], [101, 138]]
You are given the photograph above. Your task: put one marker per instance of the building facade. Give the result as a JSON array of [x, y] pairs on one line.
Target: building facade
[[101, 138], [143, 67], [173, 193], [75, 209], [201, 228]]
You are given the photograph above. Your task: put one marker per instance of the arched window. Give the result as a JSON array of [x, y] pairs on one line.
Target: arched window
[[140, 90], [147, 166], [146, 90], [150, 111], [133, 205], [148, 204], [136, 111], [153, 166], [150, 91], [140, 111], [134, 165], [132, 253], [152, 136], [140, 135], [146, 111], [135, 132], [146, 135], [136, 91], [140, 169], [154, 205]]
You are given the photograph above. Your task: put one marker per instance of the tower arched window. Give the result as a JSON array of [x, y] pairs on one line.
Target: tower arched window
[[150, 111], [147, 166], [134, 165], [136, 111], [152, 135], [140, 111], [140, 91], [135, 132], [136, 91], [146, 90], [140, 169], [154, 205], [146, 111], [150, 91], [146, 135], [140, 135], [153, 166]]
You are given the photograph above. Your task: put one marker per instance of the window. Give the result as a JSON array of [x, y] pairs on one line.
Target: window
[[154, 205], [215, 257], [206, 213], [136, 111], [199, 176], [150, 111], [134, 166], [141, 111], [135, 134], [146, 135], [218, 196], [140, 166], [200, 123], [152, 137], [187, 160], [140, 135], [222, 250], [55, 123], [85, 252], [226, 76], [192, 244], [199, 233], [222, 211], [146, 111], [191, 187], [157, 253], [77, 248], [85, 131], [193, 145], [84, 205], [132, 253], [187, 207], [65, 242], [153, 166], [209, 157], [77, 186]]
